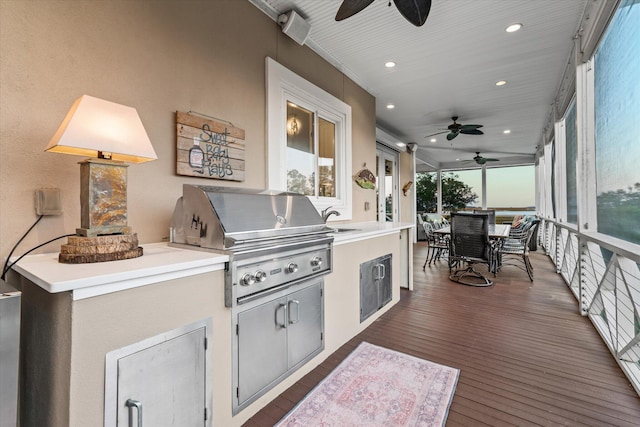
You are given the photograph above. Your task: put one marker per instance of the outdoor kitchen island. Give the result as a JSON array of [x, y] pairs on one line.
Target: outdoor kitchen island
[[74, 316]]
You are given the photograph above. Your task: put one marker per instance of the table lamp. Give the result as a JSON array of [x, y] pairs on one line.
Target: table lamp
[[110, 134]]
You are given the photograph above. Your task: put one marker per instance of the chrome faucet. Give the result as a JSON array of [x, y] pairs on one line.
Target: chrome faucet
[[327, 213]]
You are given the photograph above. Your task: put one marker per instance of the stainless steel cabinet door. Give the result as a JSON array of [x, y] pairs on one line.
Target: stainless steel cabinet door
[[368, 290], [305, 323], [262, 347], [375, 285], [164, 385], [384, 280]]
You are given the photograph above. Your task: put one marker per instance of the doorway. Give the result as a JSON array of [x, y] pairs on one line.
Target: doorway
[[386, 184]]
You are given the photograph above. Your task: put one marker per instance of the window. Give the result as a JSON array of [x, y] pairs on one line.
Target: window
[[462, 189], [571, 147], [309, 140], [427, 192], [617, 128], [511, 188], [303, 165]]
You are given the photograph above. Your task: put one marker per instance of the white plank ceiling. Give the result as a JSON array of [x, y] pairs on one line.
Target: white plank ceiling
[[449, 67]]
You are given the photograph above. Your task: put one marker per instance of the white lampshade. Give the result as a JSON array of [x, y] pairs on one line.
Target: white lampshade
[[94, 125]]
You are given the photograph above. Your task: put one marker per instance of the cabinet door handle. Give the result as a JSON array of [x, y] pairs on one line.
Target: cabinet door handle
[[130, 403], [284, 315], [383, 271], [297, 303]]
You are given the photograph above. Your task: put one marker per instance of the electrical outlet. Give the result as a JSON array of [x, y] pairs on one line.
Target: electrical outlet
[[48, 201]]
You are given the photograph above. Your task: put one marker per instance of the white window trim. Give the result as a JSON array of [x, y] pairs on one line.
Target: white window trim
[[587, 190], [548, 168], [283, 84], [561, 172], [539, 186]]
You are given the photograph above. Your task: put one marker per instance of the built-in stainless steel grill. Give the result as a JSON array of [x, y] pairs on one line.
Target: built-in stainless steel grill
[[274, 239], [279, 249]]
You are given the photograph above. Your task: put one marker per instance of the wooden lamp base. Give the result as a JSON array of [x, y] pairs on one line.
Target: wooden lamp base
[[83, 250]]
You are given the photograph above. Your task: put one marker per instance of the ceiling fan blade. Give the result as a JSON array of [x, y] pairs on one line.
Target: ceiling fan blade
[[491, 160], [470, 127], [451, 135], [414, 11], [349, 8], [439, 133], [471, 132]]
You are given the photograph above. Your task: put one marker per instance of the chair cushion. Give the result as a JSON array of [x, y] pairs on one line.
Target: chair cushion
[[517, 221]]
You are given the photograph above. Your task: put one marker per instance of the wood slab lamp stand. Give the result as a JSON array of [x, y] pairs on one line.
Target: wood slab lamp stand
[[114, 134]]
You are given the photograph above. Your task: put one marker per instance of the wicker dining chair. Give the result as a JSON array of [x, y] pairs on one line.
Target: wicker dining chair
[[438, 244], [515, 249], [470, 245], [490, 212]]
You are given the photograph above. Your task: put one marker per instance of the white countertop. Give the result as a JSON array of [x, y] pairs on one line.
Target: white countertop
[[365, 230], [159, 263]]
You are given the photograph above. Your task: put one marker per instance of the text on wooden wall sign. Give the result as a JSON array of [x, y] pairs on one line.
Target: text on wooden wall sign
[[209, 149]]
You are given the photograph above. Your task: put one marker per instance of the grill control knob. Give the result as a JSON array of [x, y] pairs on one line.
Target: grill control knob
[[292, 267], [260, 276], [316, 261], [247, 279]]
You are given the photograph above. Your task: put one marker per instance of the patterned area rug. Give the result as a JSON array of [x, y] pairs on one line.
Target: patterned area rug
[[375, 386]]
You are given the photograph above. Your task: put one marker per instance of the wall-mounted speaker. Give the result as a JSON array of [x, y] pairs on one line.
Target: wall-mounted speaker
[[295, 26]]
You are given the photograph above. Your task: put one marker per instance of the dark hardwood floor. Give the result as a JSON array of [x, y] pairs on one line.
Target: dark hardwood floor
[[526, 356]]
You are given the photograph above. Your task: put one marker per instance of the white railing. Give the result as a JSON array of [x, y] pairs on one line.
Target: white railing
[[605, 279]]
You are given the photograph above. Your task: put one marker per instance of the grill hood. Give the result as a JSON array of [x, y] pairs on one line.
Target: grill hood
[[231, 218]]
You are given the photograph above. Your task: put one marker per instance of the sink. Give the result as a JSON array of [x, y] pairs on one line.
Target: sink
[[343, 230]]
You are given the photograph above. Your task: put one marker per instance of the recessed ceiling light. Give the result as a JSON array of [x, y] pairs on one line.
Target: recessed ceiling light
[[501, 82], [401, 144], [391, 106], [513, 28], [389, 64], [506, 131], [433, 140], [457, 160]]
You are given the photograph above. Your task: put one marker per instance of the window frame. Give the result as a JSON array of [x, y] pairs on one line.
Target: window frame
[[549, 180], [284, 85]]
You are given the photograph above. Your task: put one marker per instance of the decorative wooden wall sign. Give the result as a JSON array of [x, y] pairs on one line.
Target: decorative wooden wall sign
[[207, 148], [365, 178]]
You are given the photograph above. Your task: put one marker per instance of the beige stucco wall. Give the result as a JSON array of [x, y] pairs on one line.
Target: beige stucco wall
[[109, 322], [158, 56]]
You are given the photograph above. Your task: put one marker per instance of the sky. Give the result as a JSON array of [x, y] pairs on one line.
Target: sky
[[507, 187]]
